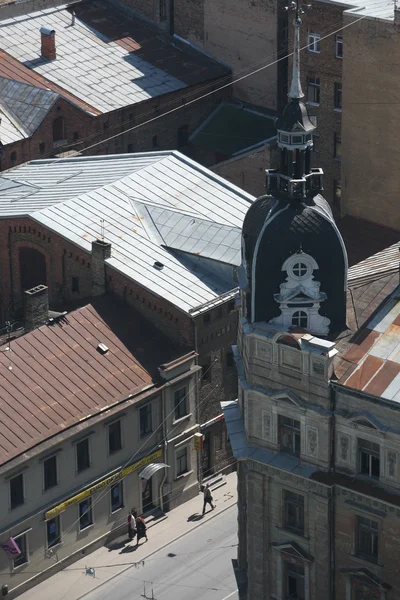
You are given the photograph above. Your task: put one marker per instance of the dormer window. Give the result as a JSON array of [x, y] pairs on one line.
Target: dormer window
[[300, 319]]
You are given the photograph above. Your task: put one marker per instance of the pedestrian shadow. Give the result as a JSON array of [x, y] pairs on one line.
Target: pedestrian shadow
[[195, 517], [116, 546], [129, 549]]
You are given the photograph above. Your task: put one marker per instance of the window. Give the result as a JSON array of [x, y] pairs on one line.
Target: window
[[116, 497], [299, 269], [76, 136], [42, 147], [367, 538], [339, 46], [294, 581], [75, 284], [155, 141], [289, 435], [53, 532], [13, 156], [106, 125], [22, 543], [114, 437], [229, 359], [314, 40], [180, 403], [130, 148], [337, 194], [369, 458], [363, 592], [294, 511], [85, 514], [50, 472], [300, 319], [183, 136], [82, 455], [16, 491], [181, 461], [206, 372], [337, 152], [58, 129], [338, 96], [313, 89], [163, 10], [145, 417], [316, 144], [206, 318]]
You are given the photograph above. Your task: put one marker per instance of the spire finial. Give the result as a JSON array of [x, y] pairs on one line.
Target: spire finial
[[295, 89]]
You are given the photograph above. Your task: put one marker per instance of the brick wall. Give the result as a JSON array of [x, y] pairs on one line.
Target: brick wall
[[322, 19], [248, 170], [370, 121]]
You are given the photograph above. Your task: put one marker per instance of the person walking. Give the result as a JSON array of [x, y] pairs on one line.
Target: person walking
[[141, 530], [131, 525], [207, 498]]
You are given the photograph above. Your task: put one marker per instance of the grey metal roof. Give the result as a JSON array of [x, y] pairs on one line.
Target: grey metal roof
[[22, 107], [90, 65], [129, 194]]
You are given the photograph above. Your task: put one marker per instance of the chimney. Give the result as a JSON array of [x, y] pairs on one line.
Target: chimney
[[36, 307], [101, 250], [48, 43]]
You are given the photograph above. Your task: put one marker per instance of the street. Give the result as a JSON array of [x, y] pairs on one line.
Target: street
[[199, 565]]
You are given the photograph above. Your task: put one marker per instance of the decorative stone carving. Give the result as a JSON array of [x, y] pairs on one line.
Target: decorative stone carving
[[392, 463], [312, 441], [318, 367], [344, 447], [266, 416], [264, 351]]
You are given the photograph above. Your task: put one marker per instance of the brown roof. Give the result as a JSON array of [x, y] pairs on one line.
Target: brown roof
[[54, 376], [12, 69]]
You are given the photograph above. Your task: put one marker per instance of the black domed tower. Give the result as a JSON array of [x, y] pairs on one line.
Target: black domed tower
[[294, 262]]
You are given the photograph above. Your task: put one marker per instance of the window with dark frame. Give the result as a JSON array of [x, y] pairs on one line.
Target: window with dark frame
[[369, 459], [114, 437], [313, 90], [339, 46], [145, 418], [367, 538], [130, 148], [117, 500], [16, 491], [58, 129], [42, 147], [206, 318], [50, 472], [75, 284], [183, 136], [53, 532], [289, 435], [337, 100], [181, 461], [22, 543], [180, 403], [230, 359], [300, 319], [295, 589], [163, 10], [314, 42], [293, 515], [85, 514], [155, 141], [13, 156], [82, 455], [337, 153]]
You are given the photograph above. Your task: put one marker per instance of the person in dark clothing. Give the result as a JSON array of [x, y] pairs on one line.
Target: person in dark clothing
[[141, 530], [207, 499]]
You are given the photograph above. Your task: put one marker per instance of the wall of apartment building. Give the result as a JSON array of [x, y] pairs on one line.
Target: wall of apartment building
[[370, 121], [323, 19], [247, 170], [137, 450]]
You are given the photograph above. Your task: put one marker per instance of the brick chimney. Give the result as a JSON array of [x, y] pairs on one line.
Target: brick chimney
[[100, 252], [36, 307], [48, 43]]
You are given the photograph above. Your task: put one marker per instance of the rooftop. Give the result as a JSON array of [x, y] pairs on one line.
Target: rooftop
[[156, 206], [54, 377], [367, 8], [110, 58], [234, 127]]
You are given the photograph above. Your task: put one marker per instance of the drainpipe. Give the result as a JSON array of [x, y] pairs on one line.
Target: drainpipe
[[165, 446], [332, 499], [198, 383]]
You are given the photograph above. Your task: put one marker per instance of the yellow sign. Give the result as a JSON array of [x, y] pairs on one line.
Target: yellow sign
[[102, 484], [198, 441]]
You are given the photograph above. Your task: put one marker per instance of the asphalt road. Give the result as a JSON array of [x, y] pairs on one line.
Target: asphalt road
[[196, 567]]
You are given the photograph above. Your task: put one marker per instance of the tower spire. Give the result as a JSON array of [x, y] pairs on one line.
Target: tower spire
[[295, 89]]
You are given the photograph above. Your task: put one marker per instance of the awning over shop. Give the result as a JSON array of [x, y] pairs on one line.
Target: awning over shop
[[151, 469]]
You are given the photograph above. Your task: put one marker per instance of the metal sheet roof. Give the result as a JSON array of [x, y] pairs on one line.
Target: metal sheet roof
[[149, 471], [108, 58], [54, 376], [73, 196]]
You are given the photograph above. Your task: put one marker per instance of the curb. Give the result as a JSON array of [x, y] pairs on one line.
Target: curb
[[123, 570]]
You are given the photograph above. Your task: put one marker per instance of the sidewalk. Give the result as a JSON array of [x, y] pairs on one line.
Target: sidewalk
[[73, 584]]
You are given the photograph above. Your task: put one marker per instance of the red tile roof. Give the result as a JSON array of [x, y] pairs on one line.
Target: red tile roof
[[54, 376]]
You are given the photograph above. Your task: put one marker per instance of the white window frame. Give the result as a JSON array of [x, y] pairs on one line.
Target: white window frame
[[314, 42], [16, 538], [312, 83], [338, 42], [59, 532], [88, 499], [121, 484]]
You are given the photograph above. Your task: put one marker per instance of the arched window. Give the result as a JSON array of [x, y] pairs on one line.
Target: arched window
[[300, 319], [300, 269], [58, 129]]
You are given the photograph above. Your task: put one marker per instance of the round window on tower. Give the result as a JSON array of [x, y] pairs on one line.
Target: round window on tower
[[299, 270]]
